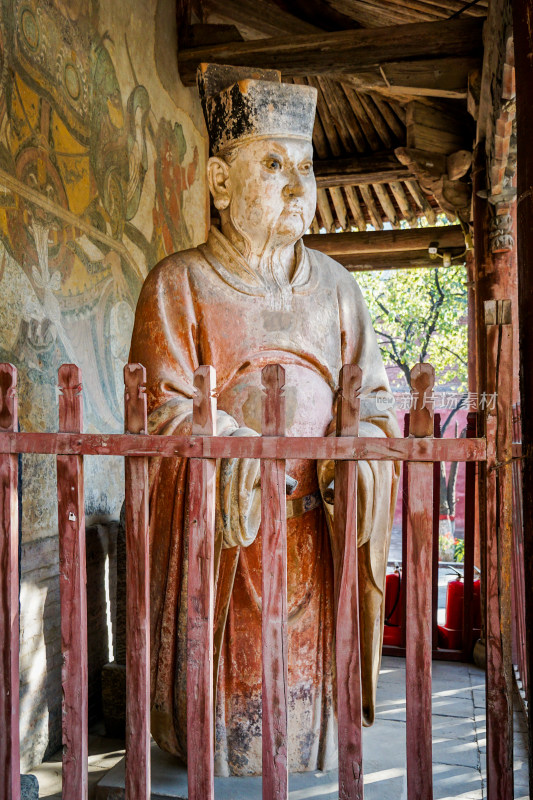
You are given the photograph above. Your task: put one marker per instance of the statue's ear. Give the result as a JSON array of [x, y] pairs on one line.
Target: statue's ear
[[219, 182]]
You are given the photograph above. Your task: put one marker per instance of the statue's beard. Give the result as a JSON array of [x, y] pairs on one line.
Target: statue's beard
[[265, 241]]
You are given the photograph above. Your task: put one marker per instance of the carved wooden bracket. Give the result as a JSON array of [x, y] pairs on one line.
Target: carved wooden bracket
[[439, 175]]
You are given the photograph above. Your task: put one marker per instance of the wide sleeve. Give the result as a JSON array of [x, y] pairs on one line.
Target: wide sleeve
[[166, 340]]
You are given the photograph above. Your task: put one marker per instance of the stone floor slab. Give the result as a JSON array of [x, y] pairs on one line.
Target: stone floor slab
[[458, 750]]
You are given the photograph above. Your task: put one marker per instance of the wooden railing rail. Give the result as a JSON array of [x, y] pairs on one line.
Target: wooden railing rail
[[420, 449]]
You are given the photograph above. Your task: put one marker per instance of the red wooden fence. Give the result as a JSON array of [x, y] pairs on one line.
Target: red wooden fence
[[420, 449]]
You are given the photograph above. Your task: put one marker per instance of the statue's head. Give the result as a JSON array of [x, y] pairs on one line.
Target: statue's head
[[261, 169]]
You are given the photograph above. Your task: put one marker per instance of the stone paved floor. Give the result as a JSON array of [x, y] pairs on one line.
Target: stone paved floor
[[458, 742]]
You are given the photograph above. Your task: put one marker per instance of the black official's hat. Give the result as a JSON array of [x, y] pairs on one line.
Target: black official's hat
[[242, 104]]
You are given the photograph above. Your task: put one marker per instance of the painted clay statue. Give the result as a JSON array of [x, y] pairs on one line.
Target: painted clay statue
[[252, 295]]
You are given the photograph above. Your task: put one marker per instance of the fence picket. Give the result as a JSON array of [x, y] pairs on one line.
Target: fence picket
[[469, 539], [73, 592], [274, 594], [202, 479], [419, 595], [345, 562], [9, 595], [498, 429], [138, 777]]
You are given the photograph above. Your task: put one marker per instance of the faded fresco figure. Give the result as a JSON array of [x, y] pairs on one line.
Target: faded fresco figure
[[253, 295]]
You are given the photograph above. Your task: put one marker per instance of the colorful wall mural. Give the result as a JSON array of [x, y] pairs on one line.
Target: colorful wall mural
[[102, 162]]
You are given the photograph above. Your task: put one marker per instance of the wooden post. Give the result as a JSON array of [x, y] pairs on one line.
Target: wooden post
[[472, 317], [73, 592], [524, 182], [9, 595], [347, 635], [274, 594], [435, 536], [419, 593], [137, 593], [470, 538], [201, 576], [404, 495], [498, 427]]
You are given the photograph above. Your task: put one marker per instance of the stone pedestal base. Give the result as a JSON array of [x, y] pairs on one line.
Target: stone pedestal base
[[29, 787], [169, 782]]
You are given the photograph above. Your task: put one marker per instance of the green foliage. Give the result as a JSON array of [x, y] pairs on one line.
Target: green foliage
[[420, 315], [459, 550]]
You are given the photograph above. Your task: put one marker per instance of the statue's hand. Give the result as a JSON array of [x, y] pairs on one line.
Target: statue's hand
[[239, 497]]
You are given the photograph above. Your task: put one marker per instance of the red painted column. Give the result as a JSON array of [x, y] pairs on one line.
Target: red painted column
[[523, 52], [9, 595]]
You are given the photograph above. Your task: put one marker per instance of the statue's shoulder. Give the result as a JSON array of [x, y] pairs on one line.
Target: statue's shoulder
[[174, 268], [332, 272]]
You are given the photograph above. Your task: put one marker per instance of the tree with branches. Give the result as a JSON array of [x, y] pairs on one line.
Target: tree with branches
[[420, 315]]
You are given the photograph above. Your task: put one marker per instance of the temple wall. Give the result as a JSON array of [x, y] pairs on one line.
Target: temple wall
[[102, 157]]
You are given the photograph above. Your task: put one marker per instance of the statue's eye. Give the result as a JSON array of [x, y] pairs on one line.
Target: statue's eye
[[273, 163], [306, 168]]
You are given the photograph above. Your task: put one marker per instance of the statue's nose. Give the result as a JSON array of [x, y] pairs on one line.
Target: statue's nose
[[294, 188]]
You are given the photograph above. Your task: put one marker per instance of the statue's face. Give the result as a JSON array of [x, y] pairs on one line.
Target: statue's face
[[269, 194]]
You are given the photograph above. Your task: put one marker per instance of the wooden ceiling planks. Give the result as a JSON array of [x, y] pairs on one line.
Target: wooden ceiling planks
[[350, 123], [359, 114], [377, 13]]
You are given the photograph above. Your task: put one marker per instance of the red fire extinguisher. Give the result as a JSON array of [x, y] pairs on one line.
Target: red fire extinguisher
[[392, 634], [451, 633]]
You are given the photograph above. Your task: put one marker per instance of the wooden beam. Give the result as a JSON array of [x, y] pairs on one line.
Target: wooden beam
[[380, 167], [418, 259], [343, 52], [408, 240], [425, 77]]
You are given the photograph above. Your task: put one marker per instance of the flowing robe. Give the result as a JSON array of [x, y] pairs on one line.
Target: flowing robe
[[206, 306]]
